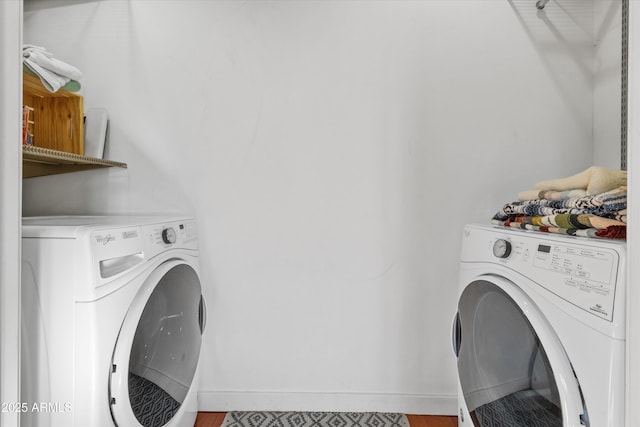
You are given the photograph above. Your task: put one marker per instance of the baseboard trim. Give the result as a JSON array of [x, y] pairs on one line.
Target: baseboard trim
[[224, 401]]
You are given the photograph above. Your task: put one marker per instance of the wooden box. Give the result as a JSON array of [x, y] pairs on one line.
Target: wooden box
[[58, 117]]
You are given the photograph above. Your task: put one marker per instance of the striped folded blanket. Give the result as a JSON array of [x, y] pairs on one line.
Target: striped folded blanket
[[602, 215]]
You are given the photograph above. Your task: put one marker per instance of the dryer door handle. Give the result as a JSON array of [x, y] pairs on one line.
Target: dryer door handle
[[456, 334], [202, 314]]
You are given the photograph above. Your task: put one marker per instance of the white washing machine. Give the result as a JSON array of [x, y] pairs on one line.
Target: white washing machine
[[112, 322], [539, 334]]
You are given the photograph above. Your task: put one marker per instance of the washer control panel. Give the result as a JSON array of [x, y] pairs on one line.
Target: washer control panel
[[169, 235], [162, 236], [119, 249]]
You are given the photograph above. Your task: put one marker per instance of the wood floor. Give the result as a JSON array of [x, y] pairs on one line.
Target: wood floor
[[214, 419]]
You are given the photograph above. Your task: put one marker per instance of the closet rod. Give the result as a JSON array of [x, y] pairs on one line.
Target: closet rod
[[540, 4]]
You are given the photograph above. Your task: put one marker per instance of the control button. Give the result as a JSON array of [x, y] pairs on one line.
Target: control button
[[169, 235], [502, 248]]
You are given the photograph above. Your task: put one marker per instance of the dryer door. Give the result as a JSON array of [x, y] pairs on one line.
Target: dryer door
[[512, 367], [158, 347]]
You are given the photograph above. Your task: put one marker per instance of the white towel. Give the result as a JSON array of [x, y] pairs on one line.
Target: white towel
[[50, 80], [53, 73], [30, 47], [48, 62]]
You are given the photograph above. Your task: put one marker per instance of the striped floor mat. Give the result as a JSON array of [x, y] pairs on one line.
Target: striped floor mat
[[525, 408], [314, 419], [152, 406]]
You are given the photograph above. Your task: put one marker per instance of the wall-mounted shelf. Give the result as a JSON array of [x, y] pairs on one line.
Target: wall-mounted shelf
[[38, 161]]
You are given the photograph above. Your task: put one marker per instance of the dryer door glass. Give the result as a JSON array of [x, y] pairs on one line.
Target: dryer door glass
[[504, 370], [166, 347]]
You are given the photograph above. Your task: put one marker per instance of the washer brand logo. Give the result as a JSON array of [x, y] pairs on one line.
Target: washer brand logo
[[129, 234], [105, 239]]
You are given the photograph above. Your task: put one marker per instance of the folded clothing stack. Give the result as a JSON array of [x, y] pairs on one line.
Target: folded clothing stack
[[53, 73], [592, 203]]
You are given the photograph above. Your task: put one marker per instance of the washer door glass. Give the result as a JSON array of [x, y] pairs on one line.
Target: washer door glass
[[162, 356], [512, 372]]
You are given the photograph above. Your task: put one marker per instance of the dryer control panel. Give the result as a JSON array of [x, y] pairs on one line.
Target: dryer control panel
[[588, 269], [581, 272]]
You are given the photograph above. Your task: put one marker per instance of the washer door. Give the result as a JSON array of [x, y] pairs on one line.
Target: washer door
[[512, 367], [158, 347]]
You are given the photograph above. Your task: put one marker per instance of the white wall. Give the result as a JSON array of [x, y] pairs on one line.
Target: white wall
[[632, 413], [607, 91], [10, 210], [331, 152]]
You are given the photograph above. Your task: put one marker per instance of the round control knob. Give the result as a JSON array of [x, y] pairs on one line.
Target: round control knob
[[169, 235], [502, 248]]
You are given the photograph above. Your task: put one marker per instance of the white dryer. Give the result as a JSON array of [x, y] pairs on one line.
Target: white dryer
[[539, 333], [112, 325]]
